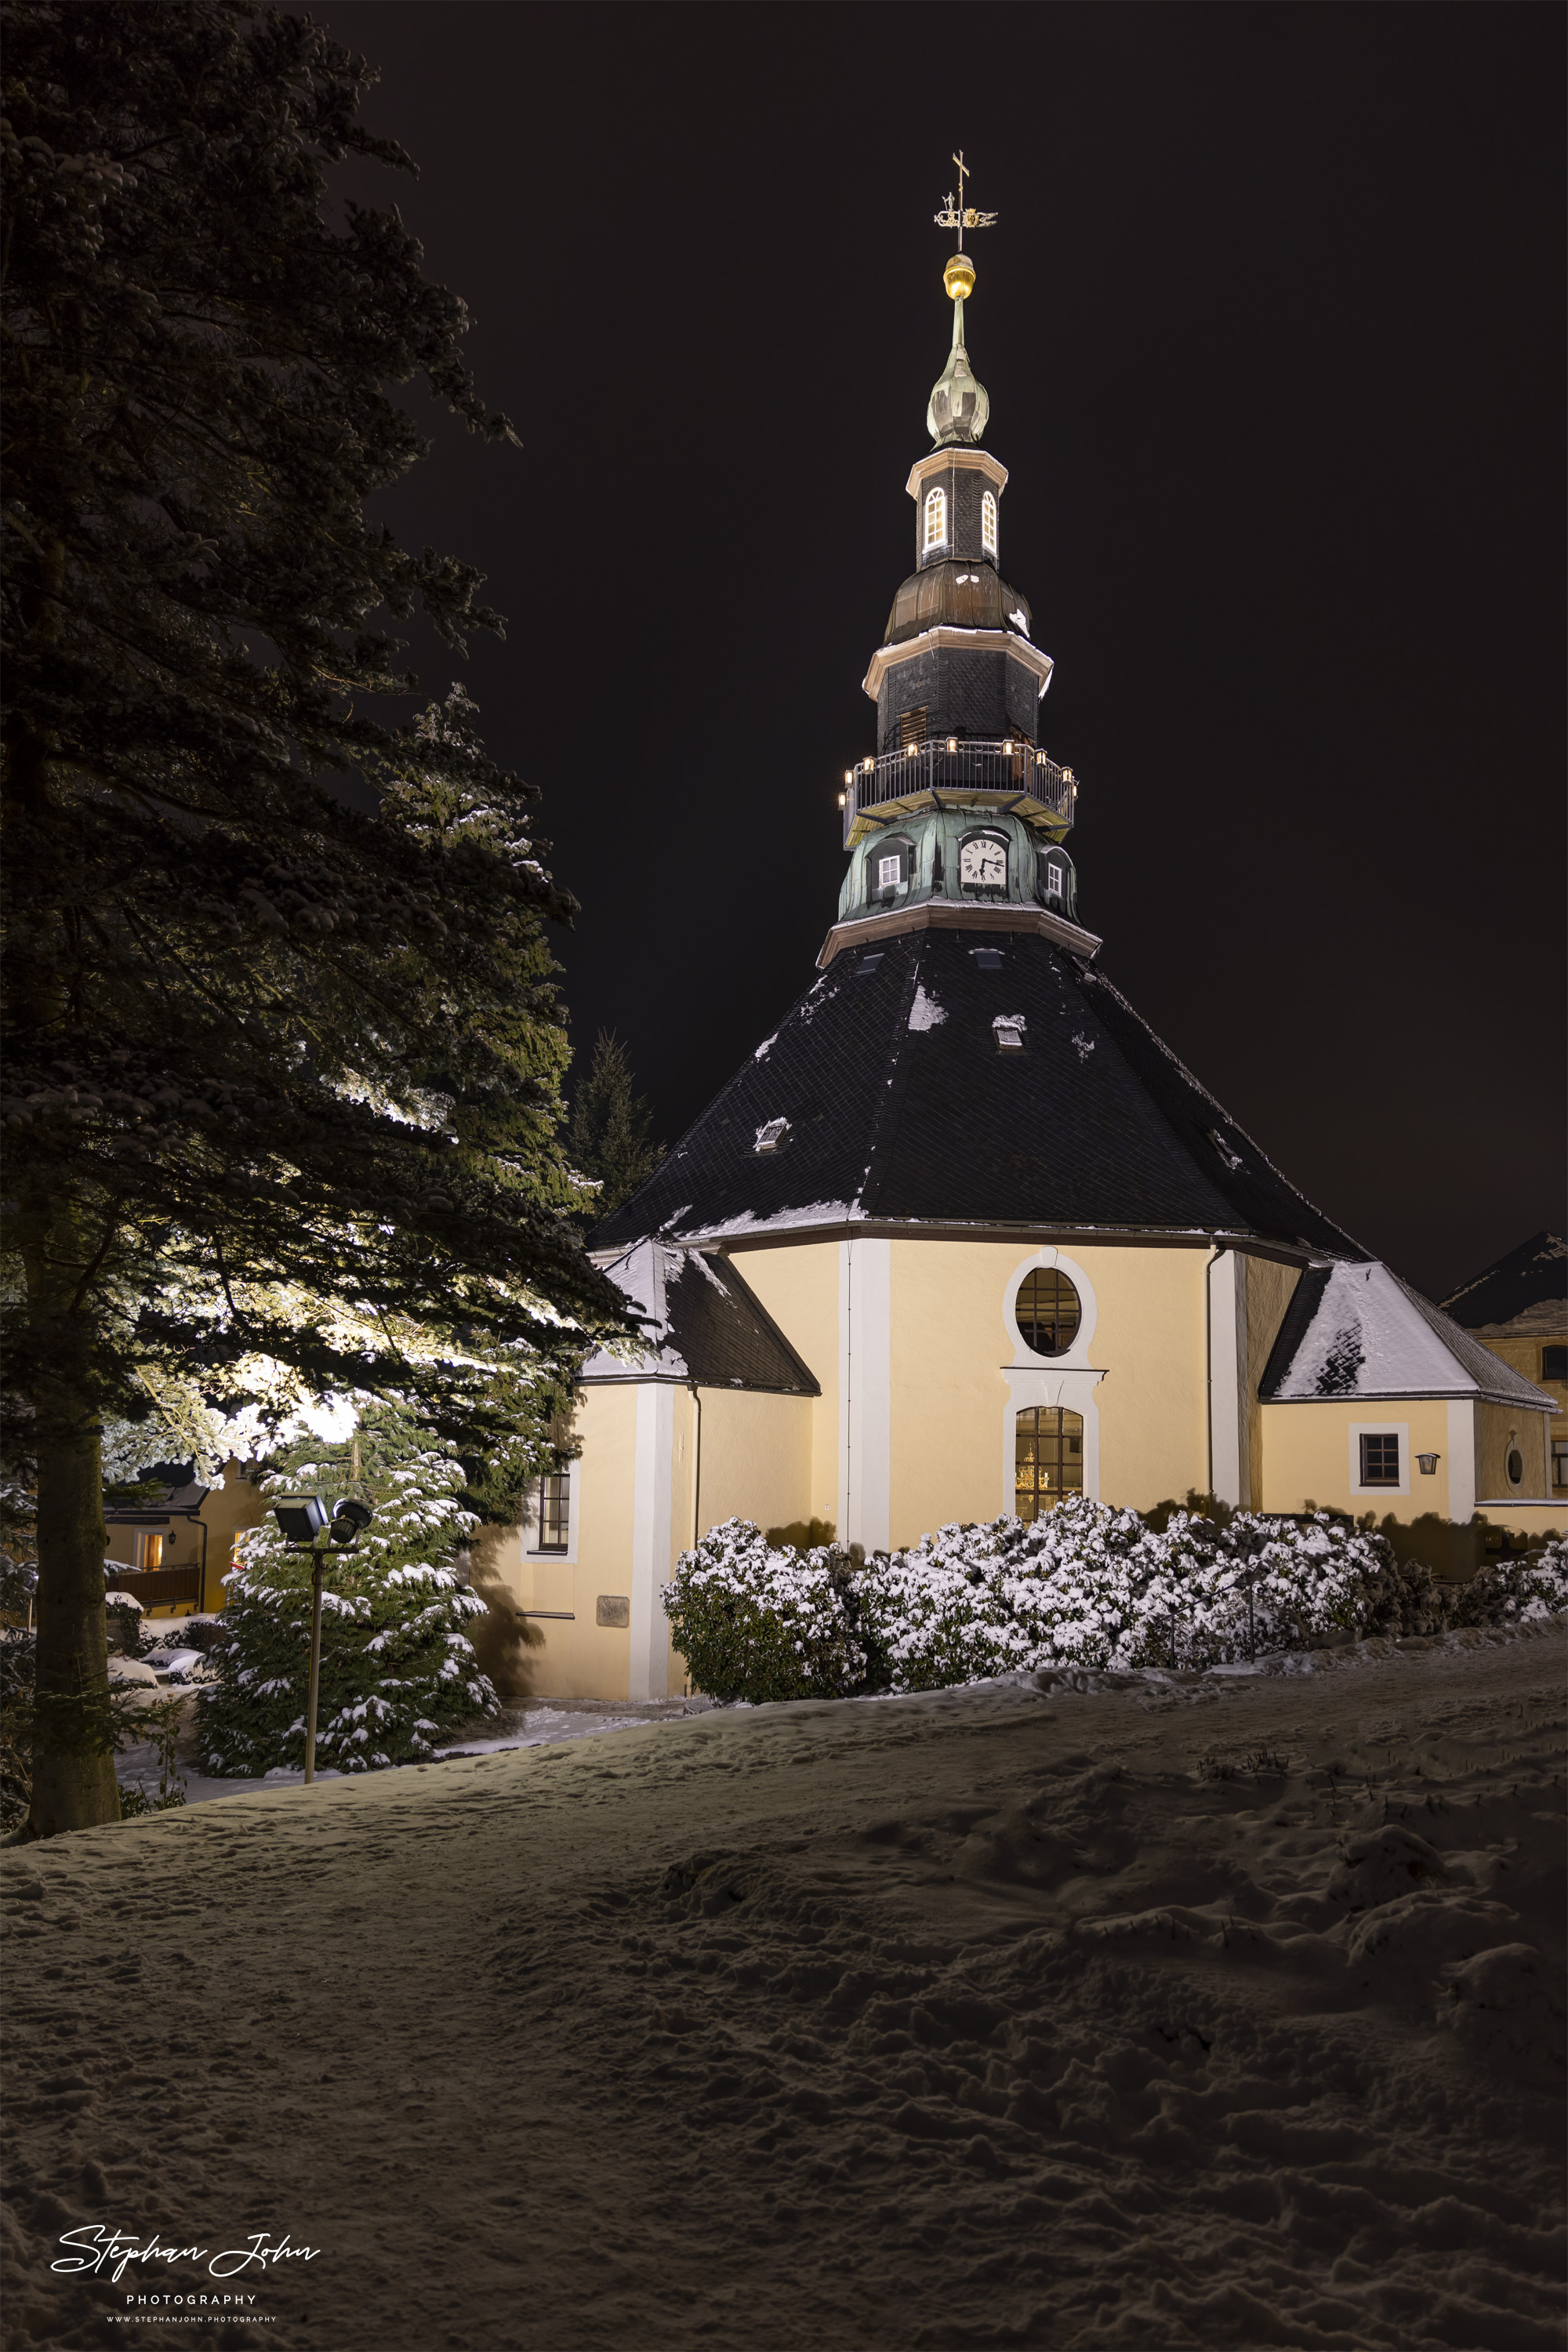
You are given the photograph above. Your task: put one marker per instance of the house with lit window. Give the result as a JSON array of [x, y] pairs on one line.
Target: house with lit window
[[172, 1549], [963, 1235]]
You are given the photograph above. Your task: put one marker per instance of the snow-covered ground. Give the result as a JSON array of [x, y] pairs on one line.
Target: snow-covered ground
[[1131, 2011], [522, 1723]]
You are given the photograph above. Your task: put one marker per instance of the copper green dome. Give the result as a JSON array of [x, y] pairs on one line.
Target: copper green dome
[[960, 406], [963, 595]]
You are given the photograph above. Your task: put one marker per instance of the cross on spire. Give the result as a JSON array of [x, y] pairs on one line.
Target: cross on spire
[[961, 215]]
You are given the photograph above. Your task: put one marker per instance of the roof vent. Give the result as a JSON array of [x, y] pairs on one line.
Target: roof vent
[[869, 962], [987, 959], [771, 1135], [1009, 1032]]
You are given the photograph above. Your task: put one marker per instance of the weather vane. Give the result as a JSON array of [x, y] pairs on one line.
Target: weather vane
[[960, 216]]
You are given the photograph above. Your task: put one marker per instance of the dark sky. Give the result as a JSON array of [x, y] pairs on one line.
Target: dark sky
[[1272, 324]]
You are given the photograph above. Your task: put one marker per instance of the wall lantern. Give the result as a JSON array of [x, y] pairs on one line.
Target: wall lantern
[[302, 1520], [1428, 1464], [952, 743], [848, 775], [841, 799]]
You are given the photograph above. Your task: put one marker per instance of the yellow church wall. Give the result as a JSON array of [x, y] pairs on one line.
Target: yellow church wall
[[798, 1284], [948, 1342], [1149, 1336], [1269, 1290], [1307, 1457], [579, 1658], [755, 1463]]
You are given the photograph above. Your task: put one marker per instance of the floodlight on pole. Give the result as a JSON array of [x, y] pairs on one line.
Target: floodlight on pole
[[303, 1521]]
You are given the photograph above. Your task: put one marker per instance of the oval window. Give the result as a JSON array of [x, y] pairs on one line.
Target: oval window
[[1515, 1466], [1048, 1313]]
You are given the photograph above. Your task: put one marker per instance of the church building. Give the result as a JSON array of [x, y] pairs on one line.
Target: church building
[[963, 1235]]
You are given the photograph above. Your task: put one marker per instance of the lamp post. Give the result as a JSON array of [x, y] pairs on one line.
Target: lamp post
[[303, 1521]]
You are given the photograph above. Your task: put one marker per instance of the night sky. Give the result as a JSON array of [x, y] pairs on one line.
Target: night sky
[[1272, 325]]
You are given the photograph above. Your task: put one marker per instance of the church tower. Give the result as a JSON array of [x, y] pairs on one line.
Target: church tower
[[962, 1236], [960, 805]]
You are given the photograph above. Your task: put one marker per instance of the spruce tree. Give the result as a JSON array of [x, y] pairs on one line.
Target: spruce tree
[[283, 1076], [608, 1139], [398, 1667]]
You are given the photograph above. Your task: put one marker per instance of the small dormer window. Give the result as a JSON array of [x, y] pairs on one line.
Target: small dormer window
[[936, 520], [1008, 1029], [889, 867], [1053, 878], [771, 1134], [988, 525]]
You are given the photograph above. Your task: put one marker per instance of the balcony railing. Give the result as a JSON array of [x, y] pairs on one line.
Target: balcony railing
[[1008, 771], [158, 1587]]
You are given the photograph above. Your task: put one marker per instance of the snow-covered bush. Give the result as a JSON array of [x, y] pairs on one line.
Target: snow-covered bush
[[123, 1614], [1084, 1585], [397, 1667], [1089, 1586], [1528, 1584], [756, 1623]]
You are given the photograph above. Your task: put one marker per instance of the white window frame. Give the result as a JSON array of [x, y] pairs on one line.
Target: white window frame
[[988, 525], [935, 512], [1056, 879], [886, 881], [531, 1547], [1068, 1379], [1360, 1429]]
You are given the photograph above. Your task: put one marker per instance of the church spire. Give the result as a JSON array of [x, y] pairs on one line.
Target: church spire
[[960, 405]]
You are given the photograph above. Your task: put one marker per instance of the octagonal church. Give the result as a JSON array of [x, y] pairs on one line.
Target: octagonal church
[[963, 1235]]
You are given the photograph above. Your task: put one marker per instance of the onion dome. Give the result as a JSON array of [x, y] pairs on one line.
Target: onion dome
[[961, 595], [960, 405]]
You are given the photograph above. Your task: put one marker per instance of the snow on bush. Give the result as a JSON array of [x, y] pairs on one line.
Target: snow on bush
[[1085, 1585], [1531, 1584], [756, 1623], [397, 1667]]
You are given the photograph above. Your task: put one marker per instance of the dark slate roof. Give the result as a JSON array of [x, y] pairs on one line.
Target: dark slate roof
[[902, 1109], [1356, 1330], [702, 1322], [1533, 1274]]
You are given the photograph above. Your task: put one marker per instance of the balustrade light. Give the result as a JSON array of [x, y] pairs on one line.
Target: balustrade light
[[952, 743]]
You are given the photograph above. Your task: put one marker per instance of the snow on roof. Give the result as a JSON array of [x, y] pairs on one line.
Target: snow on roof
[[1357, 1330], [704, 1324]]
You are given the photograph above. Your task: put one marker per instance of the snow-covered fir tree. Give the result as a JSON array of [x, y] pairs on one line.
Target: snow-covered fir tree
[[398, 1667]]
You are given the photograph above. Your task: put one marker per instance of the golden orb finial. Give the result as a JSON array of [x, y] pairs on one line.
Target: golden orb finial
[[958, 278]]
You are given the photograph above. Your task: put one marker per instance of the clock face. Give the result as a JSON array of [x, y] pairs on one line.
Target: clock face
[[984, 862]]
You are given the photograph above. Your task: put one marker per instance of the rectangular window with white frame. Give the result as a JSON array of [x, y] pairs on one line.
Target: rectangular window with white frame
[[552, 1532], [1380, 1457]]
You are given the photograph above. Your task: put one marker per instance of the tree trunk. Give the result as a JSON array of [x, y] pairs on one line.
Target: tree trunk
[[74, 1787]]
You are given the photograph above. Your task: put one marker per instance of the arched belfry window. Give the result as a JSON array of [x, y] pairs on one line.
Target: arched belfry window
[[1048, 1458], [988, 525], [936, 520], [1049, 1312]]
